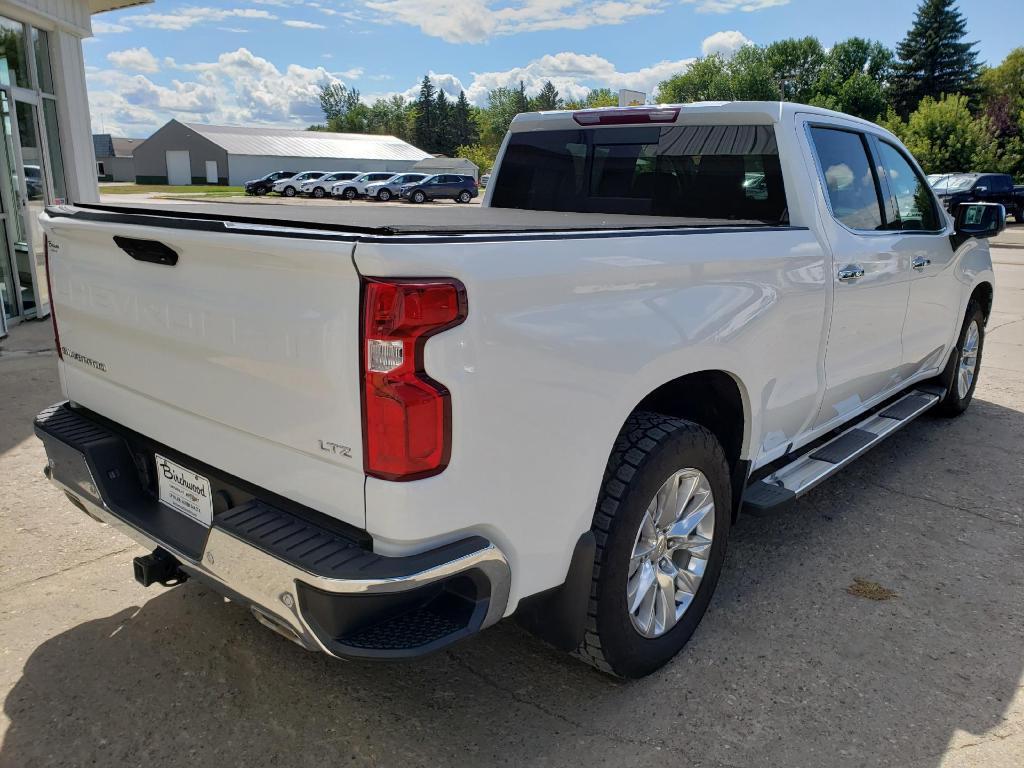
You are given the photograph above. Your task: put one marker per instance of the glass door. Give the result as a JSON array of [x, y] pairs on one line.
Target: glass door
[[30, 188]]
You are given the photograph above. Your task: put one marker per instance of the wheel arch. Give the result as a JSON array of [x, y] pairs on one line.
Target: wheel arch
[[718, 401]]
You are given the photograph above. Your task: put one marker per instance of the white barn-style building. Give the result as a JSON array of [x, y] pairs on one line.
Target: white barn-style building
[[195, 153]]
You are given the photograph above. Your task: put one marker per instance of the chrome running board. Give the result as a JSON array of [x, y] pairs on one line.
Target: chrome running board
[[806, 471]]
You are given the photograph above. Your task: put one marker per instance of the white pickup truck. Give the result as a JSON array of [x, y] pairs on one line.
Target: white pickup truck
[[386, 429]]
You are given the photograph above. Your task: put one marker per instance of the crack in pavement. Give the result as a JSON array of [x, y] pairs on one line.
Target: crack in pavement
[[45, 576], [954, 507]]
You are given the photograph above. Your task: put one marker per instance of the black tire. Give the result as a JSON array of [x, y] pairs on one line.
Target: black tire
[[318, 192], [464, 196], [648, 450], [419, 196], [384, 195], [289, 191], [952, 402], [350, 193]]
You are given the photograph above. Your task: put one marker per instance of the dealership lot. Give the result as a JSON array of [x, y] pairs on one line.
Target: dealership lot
[[789, 667]]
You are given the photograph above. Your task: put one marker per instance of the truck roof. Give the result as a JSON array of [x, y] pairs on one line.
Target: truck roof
[[758, 112]]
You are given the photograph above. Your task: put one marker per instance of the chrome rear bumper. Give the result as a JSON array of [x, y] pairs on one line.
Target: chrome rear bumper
[[315, 586]]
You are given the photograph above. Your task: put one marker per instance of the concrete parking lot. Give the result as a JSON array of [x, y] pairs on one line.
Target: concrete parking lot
[[787, 669]]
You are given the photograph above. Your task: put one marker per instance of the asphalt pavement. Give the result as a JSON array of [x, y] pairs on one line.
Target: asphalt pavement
[[794, 664]]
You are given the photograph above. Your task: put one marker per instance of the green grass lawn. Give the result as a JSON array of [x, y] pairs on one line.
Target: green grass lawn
[[211, 190]]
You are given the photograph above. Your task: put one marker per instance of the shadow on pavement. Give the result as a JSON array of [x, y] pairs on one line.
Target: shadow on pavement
[[787, 668]]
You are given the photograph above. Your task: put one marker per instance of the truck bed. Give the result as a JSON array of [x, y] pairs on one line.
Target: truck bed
[[386, 219]]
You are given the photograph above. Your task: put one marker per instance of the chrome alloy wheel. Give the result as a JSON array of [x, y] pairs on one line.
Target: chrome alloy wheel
[[968, 360], [670, 553]]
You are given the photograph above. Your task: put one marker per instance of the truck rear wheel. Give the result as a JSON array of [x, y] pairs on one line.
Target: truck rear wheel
[[661, 524]]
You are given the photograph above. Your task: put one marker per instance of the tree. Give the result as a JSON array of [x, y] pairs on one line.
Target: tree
[[547, 99], [854, 78], [425, 121], [464, 129], [595, 98], [796, 65], [481, 155], [1003, 91], [945, 137], [745, 76], [934, 59], [443, 133], [343, 109]]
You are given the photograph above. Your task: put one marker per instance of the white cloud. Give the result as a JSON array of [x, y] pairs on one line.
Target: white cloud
[[724, 43], [474, 21], [134, 59], [186, 18], [573, 74], [238, 88], [100, 27], [298, 24], [730, 6]]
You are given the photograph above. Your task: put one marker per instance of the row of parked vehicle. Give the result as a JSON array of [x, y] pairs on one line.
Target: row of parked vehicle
[[953, 189], [374, 185]]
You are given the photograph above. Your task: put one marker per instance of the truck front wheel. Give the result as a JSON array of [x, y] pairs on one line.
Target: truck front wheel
[[661, 524], [960, 376]]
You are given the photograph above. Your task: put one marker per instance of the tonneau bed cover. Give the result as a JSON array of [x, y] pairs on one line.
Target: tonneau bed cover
[[383, 220]]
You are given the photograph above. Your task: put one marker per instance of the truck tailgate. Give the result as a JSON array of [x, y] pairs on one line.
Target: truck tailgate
[[244, 354]]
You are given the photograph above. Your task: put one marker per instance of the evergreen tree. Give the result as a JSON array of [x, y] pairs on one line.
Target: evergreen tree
[[934, 60], [444, 112], [547, 99], [464, 126], [425, 124], [522, 100]]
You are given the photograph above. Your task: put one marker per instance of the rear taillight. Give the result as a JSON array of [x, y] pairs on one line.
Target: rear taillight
[[407, 416], [49, 290]]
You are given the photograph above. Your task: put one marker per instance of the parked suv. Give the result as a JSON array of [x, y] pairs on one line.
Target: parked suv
[[979, 188], [389, 188], [353, 188], [462, 189], [322, 187], [289, 187], [265, 184]]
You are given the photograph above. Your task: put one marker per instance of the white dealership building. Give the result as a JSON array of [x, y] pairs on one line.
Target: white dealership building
[[47, 153]]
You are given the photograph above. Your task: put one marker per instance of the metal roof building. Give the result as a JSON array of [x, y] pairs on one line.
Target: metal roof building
[[115, 159], [193, 153]]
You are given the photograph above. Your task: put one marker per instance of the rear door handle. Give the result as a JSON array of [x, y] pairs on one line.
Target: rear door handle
[[920, 262], [851, 272]]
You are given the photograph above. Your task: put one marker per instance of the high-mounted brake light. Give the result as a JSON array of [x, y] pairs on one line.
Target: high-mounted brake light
[[626, 116], [406, 414], [49, 290]]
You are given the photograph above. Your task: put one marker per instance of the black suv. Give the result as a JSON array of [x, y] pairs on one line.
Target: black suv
[[462, 189], [960, 188], [264, 184]]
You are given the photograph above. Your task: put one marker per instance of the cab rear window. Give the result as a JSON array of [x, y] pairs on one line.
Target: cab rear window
[[724, 173]]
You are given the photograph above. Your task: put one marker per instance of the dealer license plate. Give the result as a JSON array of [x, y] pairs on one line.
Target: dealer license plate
[[183, 490]]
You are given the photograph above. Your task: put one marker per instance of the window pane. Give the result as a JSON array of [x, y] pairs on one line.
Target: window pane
[[851, 185], [912, 198], [13, 64], [41, 44], [60, 190], [722, 173]]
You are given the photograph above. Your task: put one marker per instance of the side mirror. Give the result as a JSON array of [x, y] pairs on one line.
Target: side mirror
[[982, 188], [980, 219]]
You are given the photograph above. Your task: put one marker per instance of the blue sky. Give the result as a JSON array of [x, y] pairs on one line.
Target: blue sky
[[262, 61]]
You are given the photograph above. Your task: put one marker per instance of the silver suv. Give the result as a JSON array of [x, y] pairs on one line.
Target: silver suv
[[388, 189]]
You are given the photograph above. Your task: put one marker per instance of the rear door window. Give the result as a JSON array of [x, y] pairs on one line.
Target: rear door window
[[850, 181], [718, 174]]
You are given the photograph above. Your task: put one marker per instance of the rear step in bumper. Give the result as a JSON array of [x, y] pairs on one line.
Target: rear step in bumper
[[805, 472], [314, 586]]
